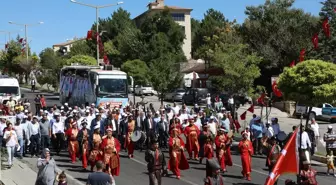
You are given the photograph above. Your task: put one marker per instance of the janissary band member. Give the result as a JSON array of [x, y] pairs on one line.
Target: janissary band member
[[203, 140], [220, 142], [228, 142], [111, 148], [73, 146], [83, 139], [177, 159], [273, 155], [129, 145], [246, 150], [192, 132], [95, 153]]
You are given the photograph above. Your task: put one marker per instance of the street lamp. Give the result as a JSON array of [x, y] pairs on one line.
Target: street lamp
[[97, 16], [26, 36]]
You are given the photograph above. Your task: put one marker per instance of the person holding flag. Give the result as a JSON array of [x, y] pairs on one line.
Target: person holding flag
[[273, 155]]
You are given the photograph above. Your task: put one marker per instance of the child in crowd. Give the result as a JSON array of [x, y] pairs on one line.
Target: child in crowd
[[62, 179], [330, 164]]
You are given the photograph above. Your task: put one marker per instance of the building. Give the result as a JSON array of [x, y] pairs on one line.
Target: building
[[179, 14], [66, 46]]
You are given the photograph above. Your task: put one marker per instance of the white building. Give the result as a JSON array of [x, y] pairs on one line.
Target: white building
[[180, 15], [66, 45]]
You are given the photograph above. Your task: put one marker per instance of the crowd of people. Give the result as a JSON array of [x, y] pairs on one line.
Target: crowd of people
[[97, 135]]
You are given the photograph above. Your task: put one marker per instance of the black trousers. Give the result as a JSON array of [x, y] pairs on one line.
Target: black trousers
[[45, 141], [163, 136], [150, 134], [37, 109], [34, 144], [155, 177], [59, 142]]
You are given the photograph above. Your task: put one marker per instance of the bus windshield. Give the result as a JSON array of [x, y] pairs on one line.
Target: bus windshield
[[10, 90], [110, 88]]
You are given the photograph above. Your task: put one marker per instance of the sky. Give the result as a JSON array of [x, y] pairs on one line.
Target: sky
[[65, 20]]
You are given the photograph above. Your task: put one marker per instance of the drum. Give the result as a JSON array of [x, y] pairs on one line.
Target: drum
[[282, 136], [138, 136]]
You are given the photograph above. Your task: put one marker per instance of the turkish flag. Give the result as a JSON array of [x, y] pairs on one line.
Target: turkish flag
[[251, 109], [6, 46], [302, 54], [261, 99], [292, 64], [89, 35], [106, 60], [288, 156], [326, 27], [315, 40], [243, 116], [21, 40], [275, 89]]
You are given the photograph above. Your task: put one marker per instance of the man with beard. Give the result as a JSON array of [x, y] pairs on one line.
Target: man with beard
[[129, 129], [83, 139], [111, 148], [156, 163], [192, 133]]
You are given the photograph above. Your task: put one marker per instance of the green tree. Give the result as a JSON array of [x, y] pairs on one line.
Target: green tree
[[277, 32], [138, 70], [81, 47], [309, 82], [26, 65], [7, 58], [164, 74], [81, 59]]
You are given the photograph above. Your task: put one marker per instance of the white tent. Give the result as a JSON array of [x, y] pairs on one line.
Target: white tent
[[189, 77]]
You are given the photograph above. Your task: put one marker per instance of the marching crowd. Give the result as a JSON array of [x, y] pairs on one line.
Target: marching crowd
[[97, 135]]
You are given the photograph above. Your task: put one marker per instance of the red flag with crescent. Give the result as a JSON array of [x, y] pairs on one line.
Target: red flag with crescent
[[326, 27], [275, 89], [315, 40], [261, 99], [243, 116]]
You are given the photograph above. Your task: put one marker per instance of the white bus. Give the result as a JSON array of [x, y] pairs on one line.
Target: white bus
[[90, 84], [9, 87]]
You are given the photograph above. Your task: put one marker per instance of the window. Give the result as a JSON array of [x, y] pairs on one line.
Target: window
[[113, 87], [178, 16], [8, 90]]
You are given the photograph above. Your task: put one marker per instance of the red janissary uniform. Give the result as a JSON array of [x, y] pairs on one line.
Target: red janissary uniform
[[208, 150], [128, 142], [73, 146], [111, 149], [246, 150], [177, 126], [220, 150], [192, 132], [228, 157], [95, 153], [84, 143], [177, 159]]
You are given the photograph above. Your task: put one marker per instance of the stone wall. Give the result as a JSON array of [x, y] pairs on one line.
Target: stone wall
[[286, 106]]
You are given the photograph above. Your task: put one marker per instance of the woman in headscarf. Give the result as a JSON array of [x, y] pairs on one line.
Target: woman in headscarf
[[46, 169]]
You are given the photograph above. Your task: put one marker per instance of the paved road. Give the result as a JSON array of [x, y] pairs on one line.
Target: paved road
[[133, 171]]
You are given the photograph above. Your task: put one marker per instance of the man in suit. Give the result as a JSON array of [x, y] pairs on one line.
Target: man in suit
[[149, 128], [162, 129], [111, 122]]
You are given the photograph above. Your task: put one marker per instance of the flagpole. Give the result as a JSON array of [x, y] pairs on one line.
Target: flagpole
[[300, 156]]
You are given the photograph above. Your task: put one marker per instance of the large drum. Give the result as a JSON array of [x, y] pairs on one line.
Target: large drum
[[138, 136], [282, 136]]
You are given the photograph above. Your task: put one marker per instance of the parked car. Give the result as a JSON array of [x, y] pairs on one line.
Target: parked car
[[175, 95], [144, 90], [321, 112], [195, 95]]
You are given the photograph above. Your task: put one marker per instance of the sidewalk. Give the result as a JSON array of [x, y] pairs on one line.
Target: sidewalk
[[19, 174]]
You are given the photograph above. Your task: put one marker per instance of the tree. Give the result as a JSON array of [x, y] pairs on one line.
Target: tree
[[81, 59], [138, 70], [7, 58], [277, 32], [81, 47], [164, 74], [309, 82], [27, 66], [49, 59]]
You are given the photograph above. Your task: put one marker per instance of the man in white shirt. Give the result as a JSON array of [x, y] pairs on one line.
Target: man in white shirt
[[176, 109], [231, 105], [305, 143], [212, 125], [58, 133], [268, 131], [11, 141], [35, 135], [315, 127]]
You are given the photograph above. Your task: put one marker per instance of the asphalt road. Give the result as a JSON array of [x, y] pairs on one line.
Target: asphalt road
[[133, 171]]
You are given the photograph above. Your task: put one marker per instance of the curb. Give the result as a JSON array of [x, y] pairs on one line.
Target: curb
[[319, 158]]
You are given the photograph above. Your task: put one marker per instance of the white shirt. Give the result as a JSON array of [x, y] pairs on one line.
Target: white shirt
[[176, 109], [12, 141], [220, 115], [213, 127], [58, 127], [18, 131], [34, 129], [276, 128], [114, 127], [230, 101], [150, 122], [208, 100], [305, 140], [315, 127], [268, 132]]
